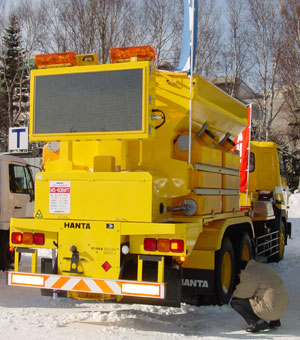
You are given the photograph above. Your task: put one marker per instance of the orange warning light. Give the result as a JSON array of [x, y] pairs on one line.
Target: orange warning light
[[55, 60], [135, 53]]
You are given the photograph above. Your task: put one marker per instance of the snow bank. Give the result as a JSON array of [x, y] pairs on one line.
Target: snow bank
[[294, 204]]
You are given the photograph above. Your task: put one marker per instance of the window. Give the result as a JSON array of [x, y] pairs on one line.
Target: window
[[281, 164], [20, 180], [252, 162]]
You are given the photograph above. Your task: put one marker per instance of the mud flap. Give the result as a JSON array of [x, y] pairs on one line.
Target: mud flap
[[197, 286], [173, 291]]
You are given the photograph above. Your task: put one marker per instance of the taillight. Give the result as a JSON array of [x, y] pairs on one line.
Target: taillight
[[27, 238], [163, 245], [177, 246], [16, 238], [39, 239], [150, 244]]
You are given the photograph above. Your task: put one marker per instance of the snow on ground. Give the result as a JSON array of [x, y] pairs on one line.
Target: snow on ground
[[24, 314]]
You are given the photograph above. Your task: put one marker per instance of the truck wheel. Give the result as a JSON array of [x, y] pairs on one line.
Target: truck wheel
[[224, 274], [6, 257], [245, 250], [279, 256]]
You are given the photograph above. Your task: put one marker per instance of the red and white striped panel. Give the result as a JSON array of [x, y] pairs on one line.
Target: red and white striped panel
[[87, 284]]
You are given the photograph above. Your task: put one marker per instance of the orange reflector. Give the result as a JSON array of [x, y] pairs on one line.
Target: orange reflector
[[163, 245], [55, 59], [123, 54], [182, 259], [27, 238], [11, 249]]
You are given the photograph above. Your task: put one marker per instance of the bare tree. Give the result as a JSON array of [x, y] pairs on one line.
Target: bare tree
[[237, 65], [209, 38], [265, 49], [161, 27], [290, 56], [31, 25]]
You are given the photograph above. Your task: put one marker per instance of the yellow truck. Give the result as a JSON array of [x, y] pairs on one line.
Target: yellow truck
[[139, 194]]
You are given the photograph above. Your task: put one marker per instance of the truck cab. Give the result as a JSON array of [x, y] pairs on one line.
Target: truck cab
[[16, 199], [267, 193]]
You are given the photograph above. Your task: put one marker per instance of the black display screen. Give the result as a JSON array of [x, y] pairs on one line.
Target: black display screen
[[105, 101]]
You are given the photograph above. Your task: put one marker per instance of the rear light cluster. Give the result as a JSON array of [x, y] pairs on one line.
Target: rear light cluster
[[28, 238], [163, 245]]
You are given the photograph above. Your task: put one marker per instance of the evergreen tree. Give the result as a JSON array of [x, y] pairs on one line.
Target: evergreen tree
[[14, 82]]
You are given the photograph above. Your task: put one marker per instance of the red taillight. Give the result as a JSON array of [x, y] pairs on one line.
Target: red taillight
[[177, 246], [150, 244], [39, 239], [16, 238]]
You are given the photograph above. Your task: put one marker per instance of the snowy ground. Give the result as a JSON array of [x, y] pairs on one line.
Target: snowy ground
[[24, 314]]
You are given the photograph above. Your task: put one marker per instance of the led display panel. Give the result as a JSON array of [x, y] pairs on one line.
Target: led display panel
[[85, 102]]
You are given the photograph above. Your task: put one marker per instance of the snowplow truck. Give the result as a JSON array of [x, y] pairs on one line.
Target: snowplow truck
[[139, 198]]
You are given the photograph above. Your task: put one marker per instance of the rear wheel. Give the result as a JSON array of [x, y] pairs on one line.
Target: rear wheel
[[245, 250], [224, 279], [281, 246]]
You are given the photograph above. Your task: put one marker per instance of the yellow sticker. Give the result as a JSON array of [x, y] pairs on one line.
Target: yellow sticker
[[39, 214]]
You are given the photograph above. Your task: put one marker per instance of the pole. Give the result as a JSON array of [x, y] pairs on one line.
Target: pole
[[192, 16], [248, 161]]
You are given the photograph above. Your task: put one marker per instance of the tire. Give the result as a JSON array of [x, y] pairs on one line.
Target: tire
[[245, 252], [224, 272], [282, 235], [6, 257]]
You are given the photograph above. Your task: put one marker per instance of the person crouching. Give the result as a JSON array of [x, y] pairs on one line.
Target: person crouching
[[260, 297]]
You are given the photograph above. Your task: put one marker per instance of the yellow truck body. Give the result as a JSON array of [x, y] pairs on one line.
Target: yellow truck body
[[135, 200]]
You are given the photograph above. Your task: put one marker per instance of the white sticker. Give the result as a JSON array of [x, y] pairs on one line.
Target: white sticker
[[59, 197]]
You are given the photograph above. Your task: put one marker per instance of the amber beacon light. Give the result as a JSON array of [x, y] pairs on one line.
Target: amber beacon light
[[55, 59], [135, 53]]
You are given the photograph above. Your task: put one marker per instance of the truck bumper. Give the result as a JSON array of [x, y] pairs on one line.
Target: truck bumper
[[87, 284]]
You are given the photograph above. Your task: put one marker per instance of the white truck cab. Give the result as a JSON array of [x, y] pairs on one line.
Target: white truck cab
[[16, 199]]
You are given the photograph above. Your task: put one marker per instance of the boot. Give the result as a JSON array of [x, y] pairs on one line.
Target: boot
[[256, 327], [275, 323]]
